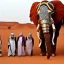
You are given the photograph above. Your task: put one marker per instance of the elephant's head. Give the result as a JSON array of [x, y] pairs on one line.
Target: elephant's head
[[59, 12]]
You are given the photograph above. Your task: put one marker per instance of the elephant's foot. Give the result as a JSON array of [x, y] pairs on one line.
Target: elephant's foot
[[54, 54], [43, 54]]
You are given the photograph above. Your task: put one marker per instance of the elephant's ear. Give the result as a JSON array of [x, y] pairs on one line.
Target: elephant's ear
[[33, 13], [59, 10]]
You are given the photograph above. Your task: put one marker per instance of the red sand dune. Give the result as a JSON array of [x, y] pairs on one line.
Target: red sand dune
[[36, 59]]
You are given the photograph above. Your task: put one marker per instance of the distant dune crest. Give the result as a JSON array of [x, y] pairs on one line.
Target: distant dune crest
[[15, 25]]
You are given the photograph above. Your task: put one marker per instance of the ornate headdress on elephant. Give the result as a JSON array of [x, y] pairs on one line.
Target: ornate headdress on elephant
[[59, 11], [48, 4]]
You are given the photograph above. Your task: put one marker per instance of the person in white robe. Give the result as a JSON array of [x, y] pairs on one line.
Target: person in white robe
[[11, 45], [29, 44], [21, 44]]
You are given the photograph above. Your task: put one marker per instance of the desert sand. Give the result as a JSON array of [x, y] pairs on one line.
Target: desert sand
[[36, 59]]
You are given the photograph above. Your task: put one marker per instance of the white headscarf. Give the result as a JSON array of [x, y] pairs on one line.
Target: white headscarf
[[21, 33], [12, 34], [29, 34]]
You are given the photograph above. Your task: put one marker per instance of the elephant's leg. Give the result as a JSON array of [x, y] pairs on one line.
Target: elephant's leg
[[55, 41], [43, 47], [58, 26]]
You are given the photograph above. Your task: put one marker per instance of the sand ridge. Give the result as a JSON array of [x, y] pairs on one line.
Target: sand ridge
[[36, 59]]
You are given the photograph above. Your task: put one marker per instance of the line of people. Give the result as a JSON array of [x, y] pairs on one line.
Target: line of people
[[21, 45]]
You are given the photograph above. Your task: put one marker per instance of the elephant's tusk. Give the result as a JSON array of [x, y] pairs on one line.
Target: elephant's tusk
[[53, 38]]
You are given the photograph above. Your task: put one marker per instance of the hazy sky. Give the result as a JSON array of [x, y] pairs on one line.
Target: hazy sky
[[16, 10]]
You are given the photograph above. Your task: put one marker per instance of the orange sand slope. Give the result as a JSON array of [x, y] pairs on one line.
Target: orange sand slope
[[36, 59]]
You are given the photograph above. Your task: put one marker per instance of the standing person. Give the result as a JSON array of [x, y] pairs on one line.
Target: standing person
[[0, 46], [12, 45], [29, 44], [21, 44]]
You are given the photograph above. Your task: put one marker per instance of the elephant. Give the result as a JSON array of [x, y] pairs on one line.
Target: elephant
[[57, 16]]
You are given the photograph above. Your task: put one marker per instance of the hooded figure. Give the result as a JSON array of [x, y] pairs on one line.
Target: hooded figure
[[0, 46], [12, 45], [21, 44], [29, 44]]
